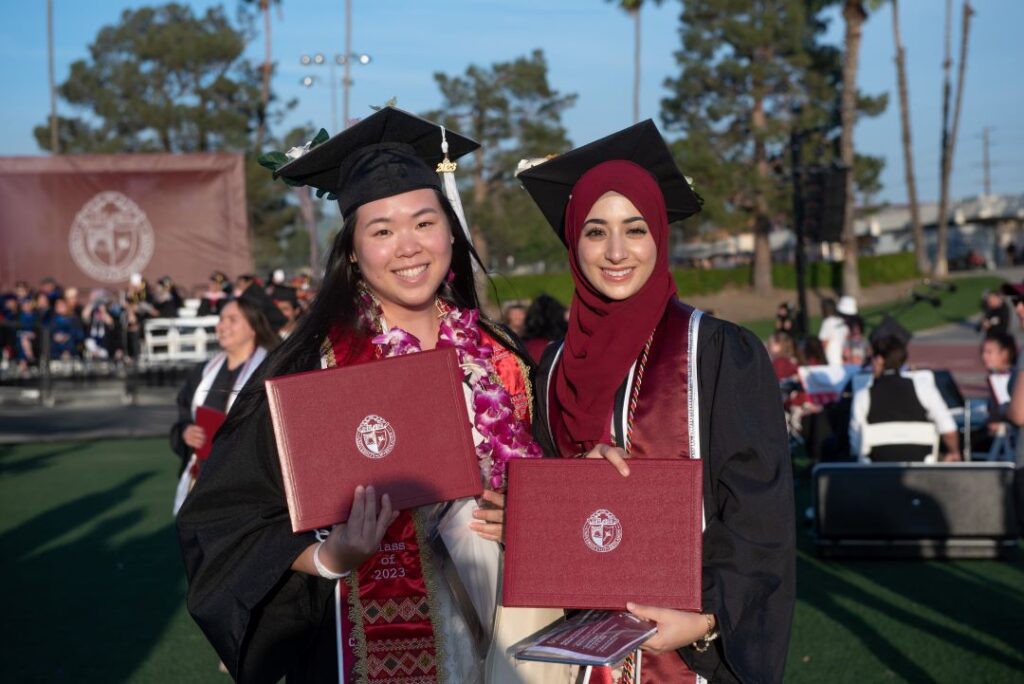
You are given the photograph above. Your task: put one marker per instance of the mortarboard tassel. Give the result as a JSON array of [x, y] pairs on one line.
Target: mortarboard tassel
[[446, 169]]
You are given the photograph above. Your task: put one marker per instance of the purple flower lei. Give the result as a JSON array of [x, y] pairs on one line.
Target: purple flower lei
[[504, 437]]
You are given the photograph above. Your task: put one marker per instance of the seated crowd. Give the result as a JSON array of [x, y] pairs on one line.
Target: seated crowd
[[882, 409], [67, 323]]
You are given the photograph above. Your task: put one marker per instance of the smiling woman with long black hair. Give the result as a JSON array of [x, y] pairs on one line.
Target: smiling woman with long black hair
[[399, 279]]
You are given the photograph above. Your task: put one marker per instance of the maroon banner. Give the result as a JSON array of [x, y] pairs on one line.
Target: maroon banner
[[93, 220]]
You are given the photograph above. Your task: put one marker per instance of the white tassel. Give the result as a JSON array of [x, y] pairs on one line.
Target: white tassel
[[451, 190]]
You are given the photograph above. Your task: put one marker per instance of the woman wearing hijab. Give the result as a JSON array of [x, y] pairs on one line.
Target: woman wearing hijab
[[308, 607], [245, 338], [643, 375]]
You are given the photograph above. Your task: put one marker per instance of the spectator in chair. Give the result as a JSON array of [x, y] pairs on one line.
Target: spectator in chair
[[1015, 410], [166, 298], [995, 314], [891, 397], [833, 332], [515, 319], [216, 296]]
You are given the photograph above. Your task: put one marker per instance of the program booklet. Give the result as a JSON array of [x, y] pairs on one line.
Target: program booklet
[[590, 637]]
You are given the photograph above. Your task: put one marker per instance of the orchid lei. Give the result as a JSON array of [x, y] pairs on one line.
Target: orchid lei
[[504, 437]]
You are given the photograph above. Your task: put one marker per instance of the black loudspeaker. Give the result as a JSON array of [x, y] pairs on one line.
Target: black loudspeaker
[[915, 510], [823, 190]]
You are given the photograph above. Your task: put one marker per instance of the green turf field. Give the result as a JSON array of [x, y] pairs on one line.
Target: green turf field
[[93, 588], [954, 307]]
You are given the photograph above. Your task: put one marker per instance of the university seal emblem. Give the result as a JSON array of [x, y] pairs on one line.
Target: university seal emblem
[[375, 438], [111, 238], [602, 532]]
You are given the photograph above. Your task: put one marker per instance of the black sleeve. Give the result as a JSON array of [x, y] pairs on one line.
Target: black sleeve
[[262, 618], [749, 573], [184, 403], [541, 431]]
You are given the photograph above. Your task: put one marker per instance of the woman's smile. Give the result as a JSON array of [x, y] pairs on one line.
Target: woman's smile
[[411, 274], [616, 253]]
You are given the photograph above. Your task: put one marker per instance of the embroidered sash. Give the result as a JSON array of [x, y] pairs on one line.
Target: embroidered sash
[[389, 627], [388, 624], [661, 420]]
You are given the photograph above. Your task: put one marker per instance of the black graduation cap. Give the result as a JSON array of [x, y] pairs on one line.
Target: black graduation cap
[[284, 293], [255, 294], [550, 183], [890, 327], [385, 154], [1014, 290]]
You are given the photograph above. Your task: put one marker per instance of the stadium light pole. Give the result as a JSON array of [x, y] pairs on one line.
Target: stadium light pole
[[54, 138], [319, 59]]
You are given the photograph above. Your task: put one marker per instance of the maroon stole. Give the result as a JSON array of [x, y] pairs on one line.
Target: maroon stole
[[659, 411], [388, 622]]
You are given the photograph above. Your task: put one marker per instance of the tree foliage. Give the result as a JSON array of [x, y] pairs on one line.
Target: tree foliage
[[749, 74], [511, 109]]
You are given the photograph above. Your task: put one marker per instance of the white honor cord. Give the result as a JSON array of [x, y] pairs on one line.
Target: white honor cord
[[451, 191]]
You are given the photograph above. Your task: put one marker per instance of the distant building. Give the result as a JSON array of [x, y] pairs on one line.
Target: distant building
[[985, 225]]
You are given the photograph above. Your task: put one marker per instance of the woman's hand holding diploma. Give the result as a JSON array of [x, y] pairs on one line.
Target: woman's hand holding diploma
[[676, 628], [614, 455], [490, 516], [194, 436], [351, 543]]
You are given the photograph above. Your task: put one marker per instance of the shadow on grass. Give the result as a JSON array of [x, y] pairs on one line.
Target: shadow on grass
[[41, 460], [929, 586], [913, 592], [93, 608]]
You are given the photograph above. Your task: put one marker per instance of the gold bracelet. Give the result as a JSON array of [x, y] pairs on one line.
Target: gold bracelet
[[704, 642]]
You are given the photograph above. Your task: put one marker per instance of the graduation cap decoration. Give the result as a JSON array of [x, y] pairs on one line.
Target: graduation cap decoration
[[890, 327], [550, 182], [385, 154]]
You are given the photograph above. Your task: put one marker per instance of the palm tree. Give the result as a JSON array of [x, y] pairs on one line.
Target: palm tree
[[949, 130], [632, 7], [920, 254]]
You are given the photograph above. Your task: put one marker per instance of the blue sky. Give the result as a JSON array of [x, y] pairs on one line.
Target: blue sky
[[588, 44]]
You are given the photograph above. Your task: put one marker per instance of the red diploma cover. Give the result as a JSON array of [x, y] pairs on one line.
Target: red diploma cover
[[210, 420], [399, 424], [579, 535]]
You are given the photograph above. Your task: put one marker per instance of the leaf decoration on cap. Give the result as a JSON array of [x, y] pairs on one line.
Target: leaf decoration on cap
[[393, 102], [275, 160]]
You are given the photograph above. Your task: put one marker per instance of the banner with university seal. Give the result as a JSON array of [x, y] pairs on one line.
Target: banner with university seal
[[93, 220]]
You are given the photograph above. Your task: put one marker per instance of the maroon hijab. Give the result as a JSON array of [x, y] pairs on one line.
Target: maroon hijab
[[606, 336]]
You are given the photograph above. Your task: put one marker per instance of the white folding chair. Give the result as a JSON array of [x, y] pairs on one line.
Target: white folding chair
[[900, 433]]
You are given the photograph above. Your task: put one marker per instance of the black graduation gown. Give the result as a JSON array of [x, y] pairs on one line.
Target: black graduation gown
[[264, 620], [749, 542], [184, 403], [216, 399]]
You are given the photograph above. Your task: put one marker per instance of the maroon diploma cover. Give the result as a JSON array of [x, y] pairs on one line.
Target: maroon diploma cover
[[399, 424], [579, 535], [210, 420]]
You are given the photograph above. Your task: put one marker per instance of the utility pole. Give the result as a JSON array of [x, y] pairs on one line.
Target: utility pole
[[985, 160], [940, 267], [346, 81], [54, 138], [636, 64]]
